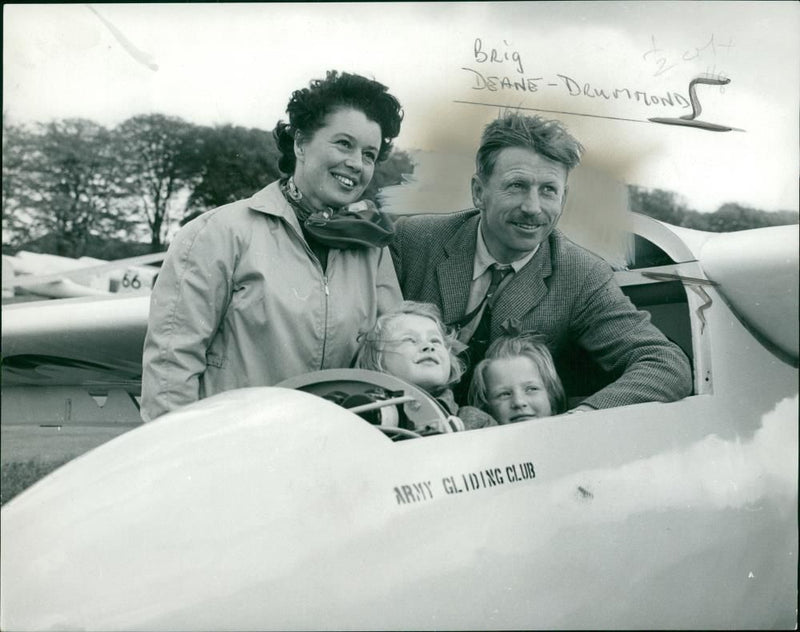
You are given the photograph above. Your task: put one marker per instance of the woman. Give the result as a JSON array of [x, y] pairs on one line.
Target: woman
[[282, 283]]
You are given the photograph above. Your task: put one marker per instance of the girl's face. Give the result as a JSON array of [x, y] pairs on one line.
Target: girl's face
[[515, 390], [415, 351], [336, 164]]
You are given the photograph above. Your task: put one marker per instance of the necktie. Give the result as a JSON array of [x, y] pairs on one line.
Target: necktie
[[479, 341], [499, 272]]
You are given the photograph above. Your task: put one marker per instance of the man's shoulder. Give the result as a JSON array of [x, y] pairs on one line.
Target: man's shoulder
[[428, 221], [429, 231], [567, 252]]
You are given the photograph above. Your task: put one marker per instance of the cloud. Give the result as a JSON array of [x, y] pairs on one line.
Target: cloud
[[220, 63]]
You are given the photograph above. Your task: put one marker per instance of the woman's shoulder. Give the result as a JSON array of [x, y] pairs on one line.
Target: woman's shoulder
[[241, 213]]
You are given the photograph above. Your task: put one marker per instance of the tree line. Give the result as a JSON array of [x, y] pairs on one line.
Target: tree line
[[74, 187], [76, 184], [669, 207]]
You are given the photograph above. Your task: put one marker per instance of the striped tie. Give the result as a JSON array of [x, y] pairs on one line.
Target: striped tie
[[479, 342]]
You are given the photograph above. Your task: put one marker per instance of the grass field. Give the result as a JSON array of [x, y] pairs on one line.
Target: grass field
[[30, 452], [17, 476]]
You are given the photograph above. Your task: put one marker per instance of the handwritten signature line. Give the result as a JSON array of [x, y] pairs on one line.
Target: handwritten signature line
[[600, 116]]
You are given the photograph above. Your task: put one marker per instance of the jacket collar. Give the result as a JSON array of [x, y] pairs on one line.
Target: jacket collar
[[527, 288], [524, 291], [455, 271], [447, 401], [270, 201]]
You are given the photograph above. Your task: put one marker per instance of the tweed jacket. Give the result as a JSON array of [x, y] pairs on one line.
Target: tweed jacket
[[564, 292]]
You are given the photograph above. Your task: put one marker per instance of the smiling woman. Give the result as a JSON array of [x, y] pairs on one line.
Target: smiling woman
[[282, 283]]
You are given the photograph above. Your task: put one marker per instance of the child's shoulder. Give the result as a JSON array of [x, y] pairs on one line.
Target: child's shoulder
[[474, 418]]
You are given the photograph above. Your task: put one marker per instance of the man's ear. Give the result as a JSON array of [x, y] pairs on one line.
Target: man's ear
[[477, 191], [563, 205]]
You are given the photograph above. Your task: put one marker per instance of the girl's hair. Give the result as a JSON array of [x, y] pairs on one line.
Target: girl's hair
[[529, 346], [308, 108], [370, 352]]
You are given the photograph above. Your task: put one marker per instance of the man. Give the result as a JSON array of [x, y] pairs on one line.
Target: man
[[504, 268]]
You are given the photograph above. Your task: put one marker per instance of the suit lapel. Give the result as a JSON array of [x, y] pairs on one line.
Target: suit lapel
[[455, 271], [525, 290]]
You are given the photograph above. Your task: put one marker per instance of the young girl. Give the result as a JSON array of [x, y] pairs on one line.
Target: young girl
[[517, 381], [411, 343]]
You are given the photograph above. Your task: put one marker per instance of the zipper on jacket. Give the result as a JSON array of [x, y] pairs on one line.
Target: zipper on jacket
[[315, 260], [325, 326]]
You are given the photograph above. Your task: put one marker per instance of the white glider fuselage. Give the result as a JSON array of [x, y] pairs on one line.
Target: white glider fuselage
[[270, 508]]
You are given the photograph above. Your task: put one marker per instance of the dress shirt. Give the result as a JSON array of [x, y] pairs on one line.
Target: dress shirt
[[481, 278]]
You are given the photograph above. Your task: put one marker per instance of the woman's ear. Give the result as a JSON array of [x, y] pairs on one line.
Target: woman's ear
[[299, 143]]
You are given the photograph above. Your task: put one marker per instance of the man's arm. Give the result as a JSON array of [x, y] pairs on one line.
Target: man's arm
[[622, 340], [396, 247]]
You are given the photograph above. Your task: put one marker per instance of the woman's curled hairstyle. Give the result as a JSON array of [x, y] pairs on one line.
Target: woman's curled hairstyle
[[308, 108]]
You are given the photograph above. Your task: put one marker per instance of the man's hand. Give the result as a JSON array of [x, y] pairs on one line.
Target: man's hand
[[581, 408]]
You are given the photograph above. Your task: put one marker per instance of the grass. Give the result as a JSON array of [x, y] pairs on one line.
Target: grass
[[17, 476]]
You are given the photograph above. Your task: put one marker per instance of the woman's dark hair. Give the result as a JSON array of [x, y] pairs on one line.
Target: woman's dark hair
[[308, 108]]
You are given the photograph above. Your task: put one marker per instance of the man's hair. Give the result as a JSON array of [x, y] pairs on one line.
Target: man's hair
[[544, 136], [308, 108], [370, 351], [525, 345]]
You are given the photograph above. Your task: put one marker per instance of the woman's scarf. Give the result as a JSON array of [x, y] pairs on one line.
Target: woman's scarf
[[358, 225]]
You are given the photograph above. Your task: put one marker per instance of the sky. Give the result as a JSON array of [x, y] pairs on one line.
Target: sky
[[603, 68]]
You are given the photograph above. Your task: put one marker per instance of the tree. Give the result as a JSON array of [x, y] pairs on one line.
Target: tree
[[68, 182], [16, 140], [60, 181], [658, 204], [159, 157], [235, 162], [667, 207], [388, 173], [732, 216]]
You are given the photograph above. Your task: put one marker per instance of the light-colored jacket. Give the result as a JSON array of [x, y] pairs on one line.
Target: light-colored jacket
[[242, 301]]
